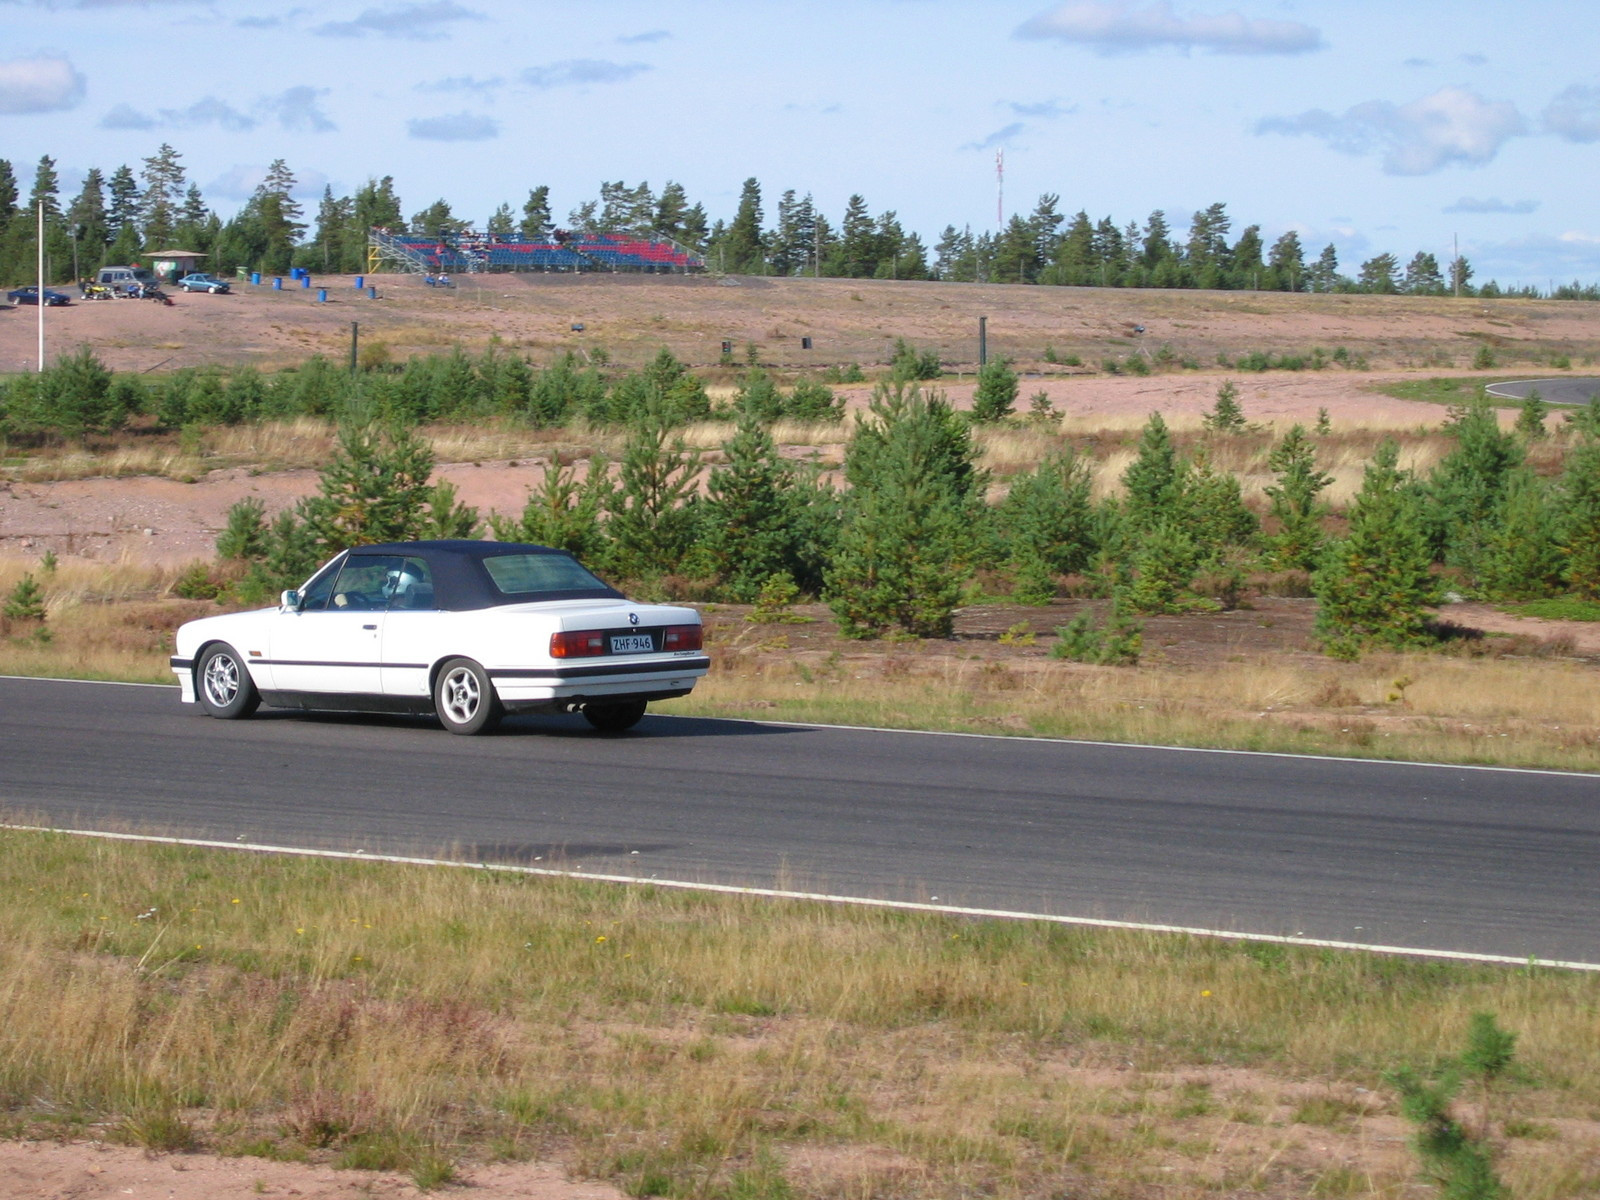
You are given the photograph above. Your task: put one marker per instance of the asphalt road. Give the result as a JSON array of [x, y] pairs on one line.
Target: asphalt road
[[1565, 390], [1447, 858]]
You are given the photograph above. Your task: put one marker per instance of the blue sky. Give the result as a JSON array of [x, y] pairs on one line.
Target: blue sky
[[1371, 125]]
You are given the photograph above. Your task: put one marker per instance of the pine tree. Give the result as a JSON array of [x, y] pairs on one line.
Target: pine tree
[[375, 489], [751, 522], [1286, 263], [1522, 557], [1578, 510], [1212, 512], [996, 393], [1295, 503], [163, 177], [536, 225], [501, 223], [1324, 274], [1422, 276], [653, 511], [758, 398], [743, 249], [8, 192], [1467, 487], [1373, 586], [1154, 480], [908, 541], [1047, 523], [1226, 416], [564, 513], [87, 216], [1531, 415], [1378, 274], [672, 209]]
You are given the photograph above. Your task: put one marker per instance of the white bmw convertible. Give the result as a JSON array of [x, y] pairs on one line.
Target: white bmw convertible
[[464, 630]]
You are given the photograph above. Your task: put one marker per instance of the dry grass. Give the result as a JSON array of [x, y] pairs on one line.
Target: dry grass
[[1531, 712], [683, 1044]]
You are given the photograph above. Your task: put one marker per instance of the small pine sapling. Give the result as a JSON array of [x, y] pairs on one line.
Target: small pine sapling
[[1226, 416]]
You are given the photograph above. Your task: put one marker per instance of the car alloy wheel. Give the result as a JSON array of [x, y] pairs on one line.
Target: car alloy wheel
[[464, 698], [226, 689]]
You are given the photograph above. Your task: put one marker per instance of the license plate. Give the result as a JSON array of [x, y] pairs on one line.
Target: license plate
[[632, 643]]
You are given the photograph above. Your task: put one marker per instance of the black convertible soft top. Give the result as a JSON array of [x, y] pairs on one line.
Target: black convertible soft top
[[462, 582]]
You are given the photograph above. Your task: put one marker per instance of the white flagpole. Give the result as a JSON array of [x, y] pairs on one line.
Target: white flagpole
[[40, 296]]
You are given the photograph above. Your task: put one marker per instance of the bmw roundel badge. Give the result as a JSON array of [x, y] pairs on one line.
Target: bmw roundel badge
[[633, 618]]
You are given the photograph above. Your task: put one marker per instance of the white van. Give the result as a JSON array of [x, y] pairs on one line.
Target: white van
[[119, 278]]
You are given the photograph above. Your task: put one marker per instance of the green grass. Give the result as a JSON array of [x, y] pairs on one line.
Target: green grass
[[1453, 390], [686, 1044], [1557, 608]]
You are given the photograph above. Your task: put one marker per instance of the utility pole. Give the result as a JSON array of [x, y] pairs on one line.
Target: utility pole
[[1455, 264]]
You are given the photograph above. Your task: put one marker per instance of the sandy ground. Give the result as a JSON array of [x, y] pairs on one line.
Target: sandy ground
[[848, 320], [94, 1170]]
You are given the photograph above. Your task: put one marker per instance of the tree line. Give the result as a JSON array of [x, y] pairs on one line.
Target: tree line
[[116, 218]]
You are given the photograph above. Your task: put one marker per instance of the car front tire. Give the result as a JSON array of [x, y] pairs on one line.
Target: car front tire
[[224, 686], [464, 698], [614, 718]]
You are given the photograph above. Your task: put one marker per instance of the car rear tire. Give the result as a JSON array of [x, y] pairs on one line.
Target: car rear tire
[[614, 718], [464, 698], [223, 684]]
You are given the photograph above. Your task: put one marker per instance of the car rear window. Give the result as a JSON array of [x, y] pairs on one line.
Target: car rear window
[[518, 575]]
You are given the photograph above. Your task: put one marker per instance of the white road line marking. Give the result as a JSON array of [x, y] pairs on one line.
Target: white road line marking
[[1011, 737], [822, 897]]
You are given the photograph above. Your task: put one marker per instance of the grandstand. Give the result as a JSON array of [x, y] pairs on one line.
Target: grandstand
[[475, 253]]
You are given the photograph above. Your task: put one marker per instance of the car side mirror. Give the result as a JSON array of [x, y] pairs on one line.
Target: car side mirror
[[290, 600]]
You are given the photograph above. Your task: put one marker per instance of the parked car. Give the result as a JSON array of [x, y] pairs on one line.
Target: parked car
[[30, 295], [462, 630], [201, 282]]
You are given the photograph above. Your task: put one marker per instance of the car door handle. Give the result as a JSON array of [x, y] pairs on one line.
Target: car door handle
[[369, 627]]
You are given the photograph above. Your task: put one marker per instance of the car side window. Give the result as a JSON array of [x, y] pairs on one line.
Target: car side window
[[410, 587], [314, 596], [362, 582]]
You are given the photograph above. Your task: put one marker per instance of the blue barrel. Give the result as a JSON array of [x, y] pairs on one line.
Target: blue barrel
[[305, 279], [361, 282], [322, 295], [372, 293], [255, 277], [277, 283]]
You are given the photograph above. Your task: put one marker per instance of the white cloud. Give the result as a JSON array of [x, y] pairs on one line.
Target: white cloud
[[637, 39], [999, 137], [1117, 26], [1046, 109], [209, 110], [574, 71], [45, 83], [1574, 114], [1539, 257], [401, 21], [297, 109], [463, 83], [1452, 126], [1493, 204], [457, 127]]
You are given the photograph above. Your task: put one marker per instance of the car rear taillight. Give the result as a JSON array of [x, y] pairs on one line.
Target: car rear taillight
[[681, 637], [577, 643]]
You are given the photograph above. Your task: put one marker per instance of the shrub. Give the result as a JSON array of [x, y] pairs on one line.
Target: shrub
[[996, 393], [1117, 642], [25, 601]]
